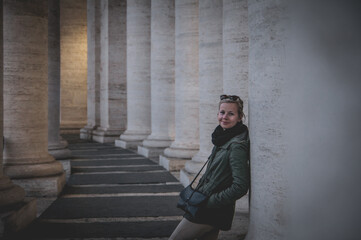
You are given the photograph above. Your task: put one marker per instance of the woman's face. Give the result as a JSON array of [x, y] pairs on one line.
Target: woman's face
[[228, 115]]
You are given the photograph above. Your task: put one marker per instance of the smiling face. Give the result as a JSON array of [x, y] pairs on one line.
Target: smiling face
[[228, 115]]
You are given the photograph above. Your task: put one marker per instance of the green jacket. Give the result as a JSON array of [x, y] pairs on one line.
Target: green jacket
[[226, 178]]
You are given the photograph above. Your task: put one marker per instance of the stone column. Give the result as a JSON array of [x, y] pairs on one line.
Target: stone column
[[56, 146], [113, 96], [210, 82], [15, 212], [267, 119], [235, 50], [93, 70], [73, 60], [235, 59], [138, 74], [162, 79], [26, 156], [186, 141]]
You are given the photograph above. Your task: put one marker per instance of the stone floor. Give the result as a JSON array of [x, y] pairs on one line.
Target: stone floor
[[114, 193]]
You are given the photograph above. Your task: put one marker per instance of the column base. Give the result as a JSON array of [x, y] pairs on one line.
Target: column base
[[67, 168], [150, 152], [10, 194], [172, 164], [105, 135], [184, 153], [43, 203], [131, 145], [131, 140], [42, 186], [185, 178], [71, 127], [59, 151], [190, 170], [18, 217], [86, 132]]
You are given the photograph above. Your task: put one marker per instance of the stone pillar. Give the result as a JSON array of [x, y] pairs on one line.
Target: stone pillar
[[186, 141], [235, 50], [210, 82], [26, 157], [15, 213], [56, 146], [138, 74], [113, 98], [162, 79], [235, 60], [267, 119], [93, 69], [73, 60]]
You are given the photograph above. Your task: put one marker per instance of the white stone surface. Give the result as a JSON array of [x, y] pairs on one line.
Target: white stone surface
[[235, 50], [267, 123], [112, 72], [132, 145], [172, 164], [50, 186], [138, 71], [56, 147], [25, 93], [186, 141], [162, 74], [210, 79], [93, 69], [150, 152]]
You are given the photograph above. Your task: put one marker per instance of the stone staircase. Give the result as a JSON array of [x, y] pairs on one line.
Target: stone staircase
[[114, 193]]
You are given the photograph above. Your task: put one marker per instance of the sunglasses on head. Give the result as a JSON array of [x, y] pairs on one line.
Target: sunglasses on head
[[231, 97]]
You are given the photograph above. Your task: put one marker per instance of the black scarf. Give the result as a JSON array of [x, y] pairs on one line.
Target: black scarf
[[220, 136]]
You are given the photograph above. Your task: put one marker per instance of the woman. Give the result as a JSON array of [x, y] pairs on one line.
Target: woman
[[226, 178]]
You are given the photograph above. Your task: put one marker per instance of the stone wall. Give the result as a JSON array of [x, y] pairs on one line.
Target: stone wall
[[73, 44]]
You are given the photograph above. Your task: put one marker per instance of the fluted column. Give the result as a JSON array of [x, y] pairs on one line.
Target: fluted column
[[186, 141], [210, 82], [162, 79], [56, 146], [235, 60], [267, 103], [93, 70], [235, 50], [26, 156], [113, 71], [138, 74]]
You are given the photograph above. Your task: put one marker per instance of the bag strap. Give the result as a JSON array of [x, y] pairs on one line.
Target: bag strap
[[199, 173]]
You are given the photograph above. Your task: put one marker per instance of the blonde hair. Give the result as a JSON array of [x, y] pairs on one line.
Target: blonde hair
[[233, 99]]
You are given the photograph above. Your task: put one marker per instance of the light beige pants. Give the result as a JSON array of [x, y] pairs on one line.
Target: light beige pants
[[187, 230]]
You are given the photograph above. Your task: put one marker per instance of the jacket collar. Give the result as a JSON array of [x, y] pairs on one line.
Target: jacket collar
[[239, 138]]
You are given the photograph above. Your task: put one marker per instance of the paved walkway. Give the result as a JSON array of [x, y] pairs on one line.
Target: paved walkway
[[114, 193]]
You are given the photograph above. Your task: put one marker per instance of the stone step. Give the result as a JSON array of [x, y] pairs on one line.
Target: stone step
[[128, 168], [136, 230], [122, 178], [132, 206], [131, 188]]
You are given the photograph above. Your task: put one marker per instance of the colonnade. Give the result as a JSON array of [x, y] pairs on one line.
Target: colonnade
[[174, 75], [155, 70], [170, 56]]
